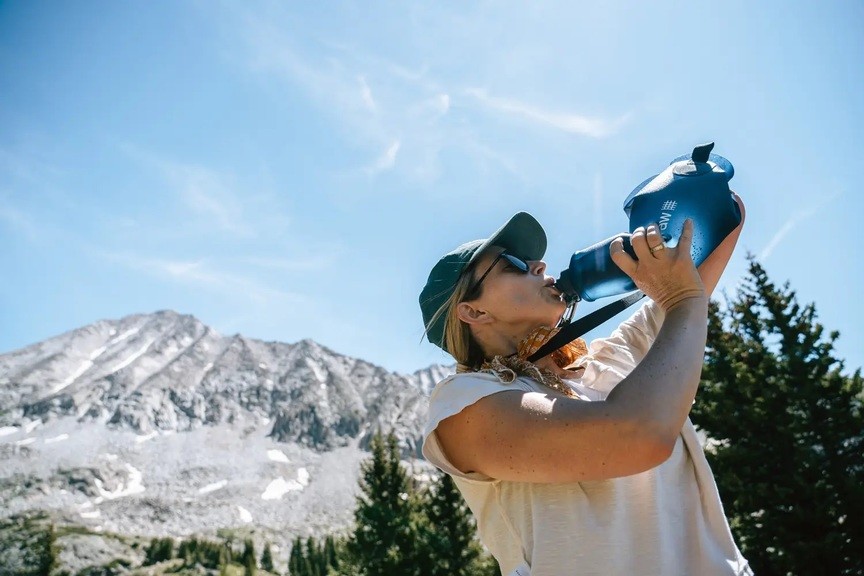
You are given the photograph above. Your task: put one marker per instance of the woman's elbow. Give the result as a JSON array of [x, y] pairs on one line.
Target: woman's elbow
[[646, 447], [655, 447], [660, 449]]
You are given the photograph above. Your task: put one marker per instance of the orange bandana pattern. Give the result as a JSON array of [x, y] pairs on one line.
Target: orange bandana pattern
[[563, 357], [507, 368]]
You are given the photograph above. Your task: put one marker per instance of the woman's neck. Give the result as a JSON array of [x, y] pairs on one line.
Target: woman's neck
[[497, 343]]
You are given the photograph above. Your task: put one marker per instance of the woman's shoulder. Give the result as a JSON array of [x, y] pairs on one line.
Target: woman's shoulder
[[477, 384], [467, 378]]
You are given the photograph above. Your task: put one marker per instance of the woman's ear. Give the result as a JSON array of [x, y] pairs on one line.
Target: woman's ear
[[470, 314]]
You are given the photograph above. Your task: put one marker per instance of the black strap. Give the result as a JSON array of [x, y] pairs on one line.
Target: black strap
[[579, 327]]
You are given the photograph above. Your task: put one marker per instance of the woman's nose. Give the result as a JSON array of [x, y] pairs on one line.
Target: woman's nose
[[537, 267]]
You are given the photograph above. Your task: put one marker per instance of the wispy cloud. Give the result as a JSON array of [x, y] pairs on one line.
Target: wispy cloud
[[366, 94], [567, 122], [331, 82], [209, 194], [432, 108], [202, 274], [778, 237], [790, 224], [386, 161], [213, 201], [492, 159], [344, 89], [400, 114], [392, 111]]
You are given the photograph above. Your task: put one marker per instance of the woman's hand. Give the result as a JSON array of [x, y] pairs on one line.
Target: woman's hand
[[666, 275]]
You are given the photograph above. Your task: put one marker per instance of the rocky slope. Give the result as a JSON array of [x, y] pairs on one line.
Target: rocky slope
[[157, 425]]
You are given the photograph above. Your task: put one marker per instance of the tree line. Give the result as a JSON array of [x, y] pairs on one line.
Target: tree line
[[401, 526], [215, 555]]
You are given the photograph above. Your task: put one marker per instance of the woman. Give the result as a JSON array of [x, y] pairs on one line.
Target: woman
[[585, 462]]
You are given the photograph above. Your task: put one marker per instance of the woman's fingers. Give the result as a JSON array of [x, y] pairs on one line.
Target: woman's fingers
[[621, 258], [685, 243], [655, 240], [666, 275], [645, 242], [640, 243]]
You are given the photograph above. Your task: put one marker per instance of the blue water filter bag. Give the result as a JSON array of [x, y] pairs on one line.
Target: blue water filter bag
[[694, 186]]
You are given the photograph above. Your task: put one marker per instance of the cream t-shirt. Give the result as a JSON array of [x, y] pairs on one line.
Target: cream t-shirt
[[666, 521]]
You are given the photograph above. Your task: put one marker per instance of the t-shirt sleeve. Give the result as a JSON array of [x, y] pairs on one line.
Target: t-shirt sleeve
[[452, 396], [610, 359], [637, 333]]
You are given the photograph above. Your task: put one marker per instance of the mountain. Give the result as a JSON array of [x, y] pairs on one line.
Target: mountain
[[157, 425]]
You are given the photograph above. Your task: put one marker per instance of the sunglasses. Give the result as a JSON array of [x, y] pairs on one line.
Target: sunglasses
[[517, 263]]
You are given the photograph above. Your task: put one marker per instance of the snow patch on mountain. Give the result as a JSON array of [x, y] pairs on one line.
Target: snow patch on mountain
[[132, 485], [132, 357], [278, 456], [213, 487], [245, 515]]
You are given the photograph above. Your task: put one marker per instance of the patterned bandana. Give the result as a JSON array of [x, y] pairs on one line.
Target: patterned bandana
[[507, 368]]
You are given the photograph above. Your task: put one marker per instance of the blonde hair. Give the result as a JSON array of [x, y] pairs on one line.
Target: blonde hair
[[458, 339]]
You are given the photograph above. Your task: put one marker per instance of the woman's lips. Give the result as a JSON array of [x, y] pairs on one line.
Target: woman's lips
[[551, 285]]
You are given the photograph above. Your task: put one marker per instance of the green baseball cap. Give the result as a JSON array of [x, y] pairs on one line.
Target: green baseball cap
[[522, 236]]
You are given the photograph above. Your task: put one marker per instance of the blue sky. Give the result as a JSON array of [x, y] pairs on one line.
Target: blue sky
[[292, 170]]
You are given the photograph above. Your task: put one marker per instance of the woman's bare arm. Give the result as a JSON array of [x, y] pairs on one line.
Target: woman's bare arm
[[549, 438], [712, 267], [533, 437]]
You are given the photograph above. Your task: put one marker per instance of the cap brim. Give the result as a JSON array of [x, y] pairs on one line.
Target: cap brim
[[522, 235]]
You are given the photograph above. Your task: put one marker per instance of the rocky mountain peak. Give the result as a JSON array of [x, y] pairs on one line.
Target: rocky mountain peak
[[156, 424], [167, 371]]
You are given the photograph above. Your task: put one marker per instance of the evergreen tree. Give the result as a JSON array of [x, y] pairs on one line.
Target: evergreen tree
[[296, 559], [785, 428], [267, 558], [225, 555], [330, 553], [250, 563], [449, 542], [159, 550], [48, 551], [187, 550], [313, 558], [385, 536], [194, 552]]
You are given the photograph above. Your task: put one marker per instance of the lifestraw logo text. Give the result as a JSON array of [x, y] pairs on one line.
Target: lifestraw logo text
[[669, 205]]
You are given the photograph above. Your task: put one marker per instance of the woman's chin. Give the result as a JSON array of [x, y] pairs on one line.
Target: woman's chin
[[555, 319]]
